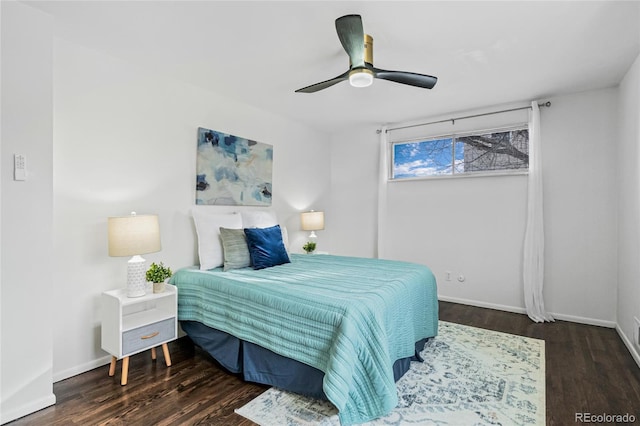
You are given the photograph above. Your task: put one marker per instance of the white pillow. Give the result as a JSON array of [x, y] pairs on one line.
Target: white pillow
[[285, 237], [264, 219], [258, 218], [208, 229]]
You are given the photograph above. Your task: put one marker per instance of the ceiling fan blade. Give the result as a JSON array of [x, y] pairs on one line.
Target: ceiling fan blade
[[410, 78], [324, 84], [351, 35]]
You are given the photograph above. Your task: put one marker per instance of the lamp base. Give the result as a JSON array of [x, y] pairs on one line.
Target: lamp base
[[136, 277]]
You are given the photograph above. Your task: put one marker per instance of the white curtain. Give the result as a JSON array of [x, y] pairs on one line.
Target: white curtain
[[382, 190], [533, 262]]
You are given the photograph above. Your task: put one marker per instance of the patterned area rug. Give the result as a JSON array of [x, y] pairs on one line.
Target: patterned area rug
[[470, 376]]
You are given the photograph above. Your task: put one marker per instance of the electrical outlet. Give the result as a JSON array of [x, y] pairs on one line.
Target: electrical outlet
[[636, 333], [448, 275]]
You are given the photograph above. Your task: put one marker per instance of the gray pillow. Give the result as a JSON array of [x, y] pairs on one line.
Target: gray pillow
[[235, 249]]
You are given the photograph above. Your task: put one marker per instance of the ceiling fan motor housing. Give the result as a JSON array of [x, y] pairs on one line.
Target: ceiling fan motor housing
[[363, 77], [368, 51]]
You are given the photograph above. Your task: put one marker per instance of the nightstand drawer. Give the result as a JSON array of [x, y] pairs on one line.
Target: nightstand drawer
[[148, 336]]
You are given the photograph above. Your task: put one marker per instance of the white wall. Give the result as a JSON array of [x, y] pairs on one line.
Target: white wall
[[628, 301], [125, 140], [26, 225], [351, 225], [475, 226], [580, 162]]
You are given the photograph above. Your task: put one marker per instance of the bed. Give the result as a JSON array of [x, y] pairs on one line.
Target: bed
[[335, 327]]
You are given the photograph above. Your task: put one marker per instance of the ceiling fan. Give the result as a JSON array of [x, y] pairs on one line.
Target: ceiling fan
[[359, 47]]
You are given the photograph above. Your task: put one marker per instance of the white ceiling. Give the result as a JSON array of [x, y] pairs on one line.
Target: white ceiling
[[484, 53]]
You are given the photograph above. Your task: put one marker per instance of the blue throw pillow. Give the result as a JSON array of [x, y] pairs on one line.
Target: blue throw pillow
[[266, 247]]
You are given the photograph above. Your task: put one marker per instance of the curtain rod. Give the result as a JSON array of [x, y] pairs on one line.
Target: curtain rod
[[453, 120]]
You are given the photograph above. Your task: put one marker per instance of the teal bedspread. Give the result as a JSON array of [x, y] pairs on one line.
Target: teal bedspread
[[348, 317]]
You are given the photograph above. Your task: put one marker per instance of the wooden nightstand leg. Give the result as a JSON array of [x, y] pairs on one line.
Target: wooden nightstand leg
[[153, 354], [112, 367], [167, 357], [125, 370]]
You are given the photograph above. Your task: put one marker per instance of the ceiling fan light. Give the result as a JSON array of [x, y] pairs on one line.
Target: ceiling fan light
[[361, 78]]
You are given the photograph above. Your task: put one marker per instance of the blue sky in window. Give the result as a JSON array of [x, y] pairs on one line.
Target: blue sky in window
[[426, 158]]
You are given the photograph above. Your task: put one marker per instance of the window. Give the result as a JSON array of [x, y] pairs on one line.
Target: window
[[499, 151]]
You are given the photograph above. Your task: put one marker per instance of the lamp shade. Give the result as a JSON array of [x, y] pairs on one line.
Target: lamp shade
[[312, 220], [134, 235]]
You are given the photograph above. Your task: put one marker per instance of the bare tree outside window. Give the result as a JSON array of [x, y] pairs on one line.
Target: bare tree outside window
[[496, 151], [493, 152]]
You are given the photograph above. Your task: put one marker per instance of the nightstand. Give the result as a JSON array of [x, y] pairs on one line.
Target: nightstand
[[134, 324]]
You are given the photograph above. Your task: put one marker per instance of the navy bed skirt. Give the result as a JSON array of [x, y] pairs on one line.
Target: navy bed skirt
[[260, 365]]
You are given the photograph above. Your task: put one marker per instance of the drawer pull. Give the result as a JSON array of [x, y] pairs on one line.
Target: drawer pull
[[149, 336]]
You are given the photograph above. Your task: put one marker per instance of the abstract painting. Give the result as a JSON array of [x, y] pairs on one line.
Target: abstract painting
[[232, 171]]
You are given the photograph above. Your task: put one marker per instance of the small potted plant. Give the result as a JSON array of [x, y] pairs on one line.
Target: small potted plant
[[309, 247], [158, 274]]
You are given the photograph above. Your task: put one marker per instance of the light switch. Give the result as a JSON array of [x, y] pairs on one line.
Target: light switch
[[19, 167]]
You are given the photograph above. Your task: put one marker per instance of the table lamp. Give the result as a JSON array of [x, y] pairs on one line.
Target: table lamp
[[134, 235], [312, 221]]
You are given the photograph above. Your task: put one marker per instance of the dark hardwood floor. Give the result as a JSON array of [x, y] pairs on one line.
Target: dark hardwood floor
[[588, 370]]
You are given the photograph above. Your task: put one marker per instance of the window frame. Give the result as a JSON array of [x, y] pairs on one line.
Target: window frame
[[454, 136]]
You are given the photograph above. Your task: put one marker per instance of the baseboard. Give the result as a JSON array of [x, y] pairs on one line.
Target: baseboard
[[79, 369], [520, 310], [583, 320], [629, 344], [15, 413], [479, 304]]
